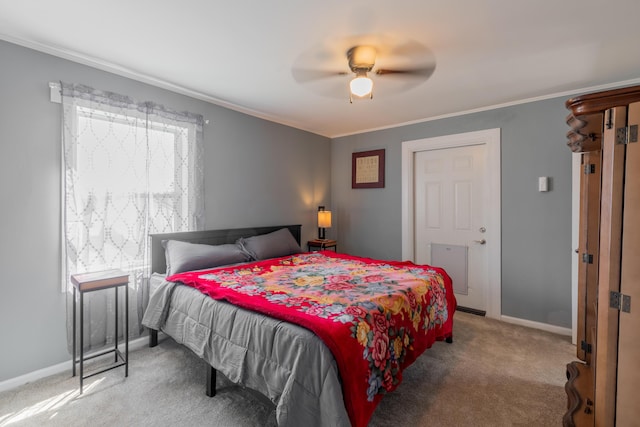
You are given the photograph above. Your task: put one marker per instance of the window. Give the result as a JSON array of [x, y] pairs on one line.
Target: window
[[128, 173]]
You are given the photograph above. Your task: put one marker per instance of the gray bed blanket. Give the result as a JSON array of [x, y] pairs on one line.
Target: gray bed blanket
[[287, 363]]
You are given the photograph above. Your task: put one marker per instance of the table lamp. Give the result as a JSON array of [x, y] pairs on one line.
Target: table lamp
[[324, 221]]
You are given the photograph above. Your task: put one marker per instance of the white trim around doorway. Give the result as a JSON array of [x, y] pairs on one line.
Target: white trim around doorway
[[490, 137]]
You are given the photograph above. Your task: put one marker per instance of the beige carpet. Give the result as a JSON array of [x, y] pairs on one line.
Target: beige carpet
[[494, 374]]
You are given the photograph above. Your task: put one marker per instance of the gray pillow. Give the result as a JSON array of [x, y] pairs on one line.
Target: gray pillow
[[272, 245], [184, 256]]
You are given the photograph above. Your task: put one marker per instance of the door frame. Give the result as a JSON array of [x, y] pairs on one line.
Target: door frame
[[491, 138]]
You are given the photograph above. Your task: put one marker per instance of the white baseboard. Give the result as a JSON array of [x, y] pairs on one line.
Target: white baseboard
[[537, 325], [56, 369]]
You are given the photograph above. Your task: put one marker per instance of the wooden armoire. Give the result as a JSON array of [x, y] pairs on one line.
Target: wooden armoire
[[603, 386]]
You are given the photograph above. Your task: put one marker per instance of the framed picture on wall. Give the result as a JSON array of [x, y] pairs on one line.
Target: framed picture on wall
[[367, 169]]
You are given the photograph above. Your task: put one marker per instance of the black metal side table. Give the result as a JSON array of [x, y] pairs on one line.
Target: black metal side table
[[90, 282]]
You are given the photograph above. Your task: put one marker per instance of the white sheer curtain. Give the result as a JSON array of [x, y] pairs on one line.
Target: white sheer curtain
[[130, 169]]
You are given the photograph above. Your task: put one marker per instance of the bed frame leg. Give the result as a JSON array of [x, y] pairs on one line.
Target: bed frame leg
[[449, 339], [211, 381], [153, 337]]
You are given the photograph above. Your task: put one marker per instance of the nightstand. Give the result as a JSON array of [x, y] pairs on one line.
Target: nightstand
[[90, 282], [322, 244]]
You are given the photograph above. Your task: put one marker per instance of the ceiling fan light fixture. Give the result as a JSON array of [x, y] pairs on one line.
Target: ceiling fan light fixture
[[361, 86]]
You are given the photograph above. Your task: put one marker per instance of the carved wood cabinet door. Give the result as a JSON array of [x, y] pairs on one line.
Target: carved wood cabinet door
[[602, 385], [628, 369]]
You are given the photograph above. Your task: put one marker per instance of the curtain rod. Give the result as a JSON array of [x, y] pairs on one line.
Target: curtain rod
[[56, 96]]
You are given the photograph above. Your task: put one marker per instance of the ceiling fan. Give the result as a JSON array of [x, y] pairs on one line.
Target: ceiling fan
[[361, 59]]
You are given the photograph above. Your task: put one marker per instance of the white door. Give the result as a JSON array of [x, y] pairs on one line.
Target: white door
[[451, 220]]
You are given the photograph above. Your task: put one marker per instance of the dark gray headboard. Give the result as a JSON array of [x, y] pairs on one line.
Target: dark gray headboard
[[209, 237]]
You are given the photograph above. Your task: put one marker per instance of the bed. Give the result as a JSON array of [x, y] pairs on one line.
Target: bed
[[317, 355]]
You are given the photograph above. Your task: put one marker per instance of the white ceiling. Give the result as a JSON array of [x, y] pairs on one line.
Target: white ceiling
[[242, 53]]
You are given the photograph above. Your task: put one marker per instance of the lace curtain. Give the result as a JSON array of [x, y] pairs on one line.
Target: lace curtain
[[130, 169]]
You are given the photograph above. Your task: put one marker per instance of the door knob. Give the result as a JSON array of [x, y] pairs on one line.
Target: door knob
[[481, 241]]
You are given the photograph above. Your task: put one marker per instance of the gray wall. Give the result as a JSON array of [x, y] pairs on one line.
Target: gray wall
[[257, 172], [536, 227]]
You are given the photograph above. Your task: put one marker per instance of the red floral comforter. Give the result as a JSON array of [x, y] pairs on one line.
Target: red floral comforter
[[375, 316]]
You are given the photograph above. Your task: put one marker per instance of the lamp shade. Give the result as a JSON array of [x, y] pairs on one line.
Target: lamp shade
[[361, 86], [324, 219]]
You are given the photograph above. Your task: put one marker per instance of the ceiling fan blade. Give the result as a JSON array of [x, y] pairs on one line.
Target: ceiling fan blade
[[423, 72], [409, 48], [304, 75]]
